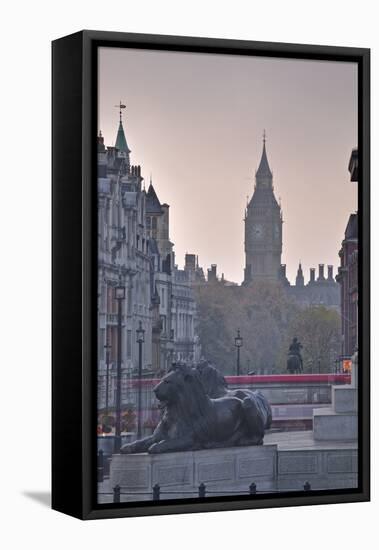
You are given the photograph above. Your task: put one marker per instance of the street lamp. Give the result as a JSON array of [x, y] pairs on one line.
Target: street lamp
[[119, 294], [140, 340], [238, 342]]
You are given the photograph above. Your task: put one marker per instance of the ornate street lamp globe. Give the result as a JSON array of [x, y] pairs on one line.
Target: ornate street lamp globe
[[140, 333], [238, 340], [119, 293]]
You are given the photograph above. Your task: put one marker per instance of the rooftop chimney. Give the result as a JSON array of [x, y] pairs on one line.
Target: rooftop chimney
[[330, 273], [190, 261], [321, 276], [312, 275], [212, 273]]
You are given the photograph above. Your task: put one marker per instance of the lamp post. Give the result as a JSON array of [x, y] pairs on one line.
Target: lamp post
[[140, 340], [238, 342], [107, 348], [119, 295]]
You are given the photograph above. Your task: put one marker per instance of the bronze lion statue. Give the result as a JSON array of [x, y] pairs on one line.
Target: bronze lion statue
[[216, 386], [192, 420]]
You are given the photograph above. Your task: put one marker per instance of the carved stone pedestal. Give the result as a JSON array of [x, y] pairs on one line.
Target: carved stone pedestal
[[231, 469], [285, 462], [340, 421]]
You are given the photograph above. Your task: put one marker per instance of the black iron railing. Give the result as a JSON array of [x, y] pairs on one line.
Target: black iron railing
[[201, 492]]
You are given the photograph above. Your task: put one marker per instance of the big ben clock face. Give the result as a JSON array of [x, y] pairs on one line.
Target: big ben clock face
[[257, 231]]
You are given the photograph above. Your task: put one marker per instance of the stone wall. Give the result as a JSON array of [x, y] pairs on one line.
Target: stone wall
[[284, 466]]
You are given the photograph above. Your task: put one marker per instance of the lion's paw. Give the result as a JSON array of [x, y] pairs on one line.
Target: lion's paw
[[154, 448]]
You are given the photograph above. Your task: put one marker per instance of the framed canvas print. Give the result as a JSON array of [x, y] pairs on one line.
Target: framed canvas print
[[210, 274]]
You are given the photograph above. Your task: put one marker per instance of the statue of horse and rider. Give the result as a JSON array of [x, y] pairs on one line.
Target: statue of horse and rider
[[295, 360]]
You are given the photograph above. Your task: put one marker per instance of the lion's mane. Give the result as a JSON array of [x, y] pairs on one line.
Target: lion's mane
[[191, 407]]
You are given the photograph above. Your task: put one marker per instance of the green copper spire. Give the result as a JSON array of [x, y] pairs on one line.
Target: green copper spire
[[121, 139]]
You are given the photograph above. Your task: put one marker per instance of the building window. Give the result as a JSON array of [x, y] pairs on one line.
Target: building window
[[112, 303], [163, 323]]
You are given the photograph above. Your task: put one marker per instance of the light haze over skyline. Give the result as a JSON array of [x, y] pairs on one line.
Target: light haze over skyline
[[195, 122]]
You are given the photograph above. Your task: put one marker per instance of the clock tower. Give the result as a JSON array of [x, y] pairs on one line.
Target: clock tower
[[263, 228]]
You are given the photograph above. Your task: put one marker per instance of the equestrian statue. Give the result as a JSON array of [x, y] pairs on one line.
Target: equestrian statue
[[295, 360]]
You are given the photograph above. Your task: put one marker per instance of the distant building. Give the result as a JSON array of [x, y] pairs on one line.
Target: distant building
[[173, 302], [162, 261], [348, 274], [191, 266], [323, 290], [183, 312]]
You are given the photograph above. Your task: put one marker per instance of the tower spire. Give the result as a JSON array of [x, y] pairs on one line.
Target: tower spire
[[121, 143], [263, 228], [264, 175], [300, 275]]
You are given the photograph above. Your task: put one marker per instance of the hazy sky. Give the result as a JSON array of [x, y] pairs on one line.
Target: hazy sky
[[195, 121]]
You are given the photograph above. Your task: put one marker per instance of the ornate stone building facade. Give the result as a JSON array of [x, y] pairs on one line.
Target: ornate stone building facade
[[348, 274], [123, 260], [173, 303], [135, 252]]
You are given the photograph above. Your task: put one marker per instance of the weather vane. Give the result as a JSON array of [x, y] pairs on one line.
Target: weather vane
[[120, 106]]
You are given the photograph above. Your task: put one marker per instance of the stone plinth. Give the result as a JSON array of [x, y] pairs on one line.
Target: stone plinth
[[322, 468], [284, 463], [324, 464], [340, 421], [345, 399], [232, 469], [328, 425]]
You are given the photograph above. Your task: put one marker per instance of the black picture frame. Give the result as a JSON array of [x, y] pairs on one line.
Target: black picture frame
[[74, 128]]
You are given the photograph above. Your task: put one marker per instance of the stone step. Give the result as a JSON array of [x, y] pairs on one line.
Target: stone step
[[329, 425], [344, 399]]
